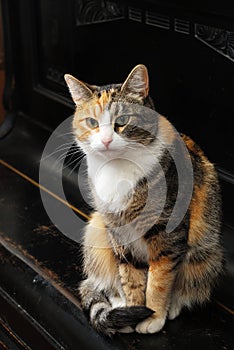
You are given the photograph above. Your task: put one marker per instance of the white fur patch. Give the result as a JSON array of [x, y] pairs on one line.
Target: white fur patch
[[139, 250], [113, 181], [117, 302], [114, 172], [125, 330], [96, 307], [151, 325], [103, 284]]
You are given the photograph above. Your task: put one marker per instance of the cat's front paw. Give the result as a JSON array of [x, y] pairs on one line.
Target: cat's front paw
[[126, 329], [152, 324]]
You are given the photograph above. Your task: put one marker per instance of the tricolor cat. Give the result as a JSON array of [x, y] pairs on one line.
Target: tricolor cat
[[137, 273]]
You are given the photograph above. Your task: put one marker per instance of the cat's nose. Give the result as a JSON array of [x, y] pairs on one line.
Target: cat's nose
[[106, 142]]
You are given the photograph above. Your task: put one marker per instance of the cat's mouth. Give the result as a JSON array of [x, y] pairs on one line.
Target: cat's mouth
[[110, 151]]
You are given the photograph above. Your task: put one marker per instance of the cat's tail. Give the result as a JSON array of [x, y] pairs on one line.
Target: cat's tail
[[105, 317], [108, 320]]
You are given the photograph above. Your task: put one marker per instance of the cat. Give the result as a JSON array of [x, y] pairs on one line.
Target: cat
[[137, 274]]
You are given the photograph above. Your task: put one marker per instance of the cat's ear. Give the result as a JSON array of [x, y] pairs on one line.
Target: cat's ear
[[80, 92], [137, 82]]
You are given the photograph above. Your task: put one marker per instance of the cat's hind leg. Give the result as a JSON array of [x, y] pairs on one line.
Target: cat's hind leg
[[176, 307], [195, 279]]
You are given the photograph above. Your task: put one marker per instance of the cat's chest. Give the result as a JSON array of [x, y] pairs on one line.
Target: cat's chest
[[113, 182]]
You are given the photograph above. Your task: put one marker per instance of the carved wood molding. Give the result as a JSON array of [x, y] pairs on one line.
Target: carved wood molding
[[220, 40], [91, 11]]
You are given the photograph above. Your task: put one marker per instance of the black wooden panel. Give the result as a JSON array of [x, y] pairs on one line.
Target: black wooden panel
[[191, 82]]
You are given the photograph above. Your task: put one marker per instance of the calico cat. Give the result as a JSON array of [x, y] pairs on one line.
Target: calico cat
[[138, 273]]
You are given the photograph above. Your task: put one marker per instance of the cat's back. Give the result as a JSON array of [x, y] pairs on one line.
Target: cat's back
[[205, 206]]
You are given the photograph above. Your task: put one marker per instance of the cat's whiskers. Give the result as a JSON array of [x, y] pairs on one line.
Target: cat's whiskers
[[65, 144], [64, 155], [65, 134], [59, 161], [75, 167], [54, 153], [73, 161], [60, 148]]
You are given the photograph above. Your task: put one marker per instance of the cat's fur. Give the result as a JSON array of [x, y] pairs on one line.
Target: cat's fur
[[137, 273]]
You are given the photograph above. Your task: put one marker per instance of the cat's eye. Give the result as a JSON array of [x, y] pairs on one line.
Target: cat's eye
[[92, 123], [122, 120]]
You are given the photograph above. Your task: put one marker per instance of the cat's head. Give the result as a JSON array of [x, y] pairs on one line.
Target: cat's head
[[113, 117]]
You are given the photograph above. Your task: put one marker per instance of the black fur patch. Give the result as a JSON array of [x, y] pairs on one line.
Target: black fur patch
[[154, 231], [129, 259], [108, 322], [127, 316]]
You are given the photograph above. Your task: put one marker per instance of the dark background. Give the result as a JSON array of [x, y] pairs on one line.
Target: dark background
[[188, 49]]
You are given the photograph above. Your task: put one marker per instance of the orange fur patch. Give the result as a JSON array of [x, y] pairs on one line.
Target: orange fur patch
[[133, 283], [104, 99], [160, 281], [167, 133], [91, 109], [193, 147], [160, 265], [197, 207], [99, 257]]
